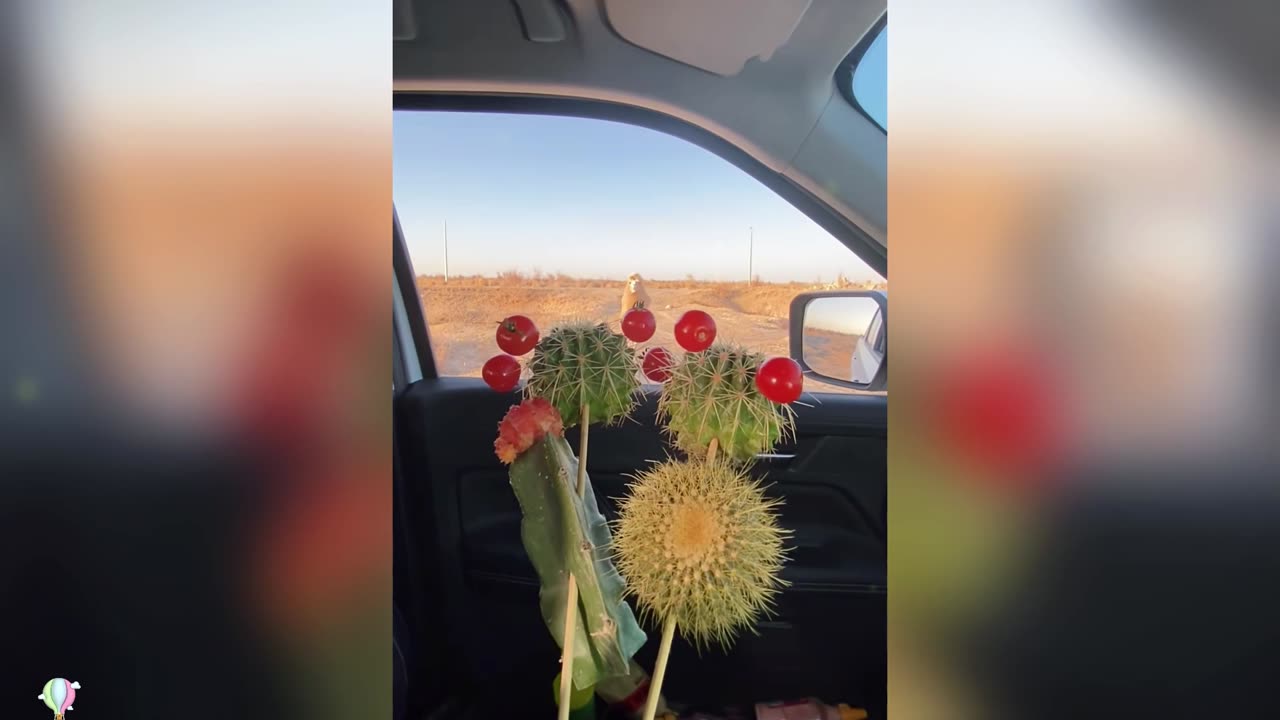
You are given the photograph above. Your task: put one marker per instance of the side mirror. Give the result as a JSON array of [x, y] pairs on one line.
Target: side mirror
[[842, 337]]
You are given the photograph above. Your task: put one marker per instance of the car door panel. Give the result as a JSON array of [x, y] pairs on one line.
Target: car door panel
[[827, 636]]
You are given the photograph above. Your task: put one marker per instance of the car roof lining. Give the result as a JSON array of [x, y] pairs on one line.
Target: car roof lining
[[685, 30]]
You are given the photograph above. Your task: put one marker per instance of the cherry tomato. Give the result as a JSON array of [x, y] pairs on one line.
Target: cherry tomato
[[780, 380], [695, 331], [657, 364], [1002, 412], [501, 372], [639, 325], [517, 335]]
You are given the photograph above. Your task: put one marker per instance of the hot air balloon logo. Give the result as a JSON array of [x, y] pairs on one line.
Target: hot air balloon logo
[[58, 695]]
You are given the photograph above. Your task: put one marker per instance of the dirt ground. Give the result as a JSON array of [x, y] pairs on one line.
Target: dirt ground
[[462, 314], [830, 353]]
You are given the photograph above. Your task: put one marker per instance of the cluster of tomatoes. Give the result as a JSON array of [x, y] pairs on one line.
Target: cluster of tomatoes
[[516, 336], [779, 379], [639, 325]]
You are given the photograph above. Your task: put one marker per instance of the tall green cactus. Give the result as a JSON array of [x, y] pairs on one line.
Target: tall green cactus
[[584, 364], [565, 533], [712, 395], [588, 374]]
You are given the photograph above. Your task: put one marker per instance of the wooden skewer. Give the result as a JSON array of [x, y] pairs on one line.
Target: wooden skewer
[[660, 668], [668, 634], [571, 595]]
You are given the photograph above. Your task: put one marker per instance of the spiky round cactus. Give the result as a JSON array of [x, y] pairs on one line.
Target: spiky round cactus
[[584, 364], [712, 395], [699, 542]]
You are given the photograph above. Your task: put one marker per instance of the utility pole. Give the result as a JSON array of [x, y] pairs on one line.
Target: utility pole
[[751, 255], [446, 251]]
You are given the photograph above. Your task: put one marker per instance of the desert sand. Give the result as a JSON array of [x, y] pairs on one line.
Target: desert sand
[[462, 315]]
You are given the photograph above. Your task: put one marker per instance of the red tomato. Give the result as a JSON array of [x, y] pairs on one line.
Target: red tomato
[[639, 325], [1001, 411], [657, 364], [517, 335], [501, 372], [695, 331], [780, 380]]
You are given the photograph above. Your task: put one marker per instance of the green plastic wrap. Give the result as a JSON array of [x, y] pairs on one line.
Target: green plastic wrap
[[555, 520]]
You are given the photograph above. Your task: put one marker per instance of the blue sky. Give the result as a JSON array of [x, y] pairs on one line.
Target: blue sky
[[871, 79], [593, 198]]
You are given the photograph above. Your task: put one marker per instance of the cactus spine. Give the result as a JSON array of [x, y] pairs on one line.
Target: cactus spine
[[712, 395], [699, 543], [584, 364]]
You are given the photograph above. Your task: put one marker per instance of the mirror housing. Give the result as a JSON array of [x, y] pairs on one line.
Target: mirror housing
[[800, 306]]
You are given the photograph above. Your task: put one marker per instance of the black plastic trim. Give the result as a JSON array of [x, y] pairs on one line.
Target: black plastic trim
[[412, 301]]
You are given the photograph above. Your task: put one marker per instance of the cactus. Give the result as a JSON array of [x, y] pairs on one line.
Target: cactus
[[712, 395], [700, 545], [588, 374], [584, 364], [564, 533]]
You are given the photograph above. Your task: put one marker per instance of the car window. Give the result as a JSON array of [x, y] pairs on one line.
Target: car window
[[873, 331], [552, 217], [870, 79]]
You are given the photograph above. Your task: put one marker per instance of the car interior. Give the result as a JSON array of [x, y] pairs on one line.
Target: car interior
[[761, 84]]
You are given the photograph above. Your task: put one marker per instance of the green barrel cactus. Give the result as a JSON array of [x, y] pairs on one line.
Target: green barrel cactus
[[699, 542], [584, 364], [712, 395]]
